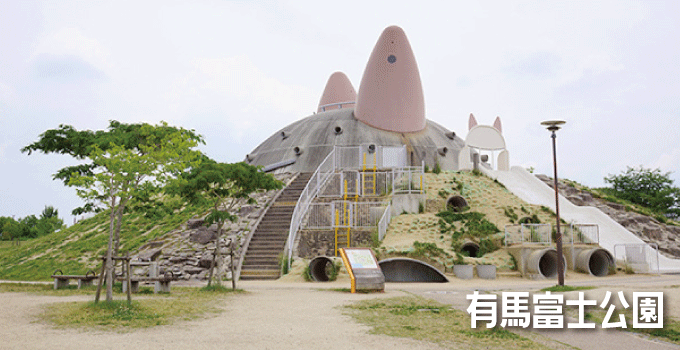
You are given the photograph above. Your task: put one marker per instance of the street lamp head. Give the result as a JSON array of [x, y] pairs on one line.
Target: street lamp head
[[553, 125]]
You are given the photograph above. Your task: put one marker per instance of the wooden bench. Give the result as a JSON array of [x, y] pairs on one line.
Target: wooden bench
[[63, 281], [162, 283]]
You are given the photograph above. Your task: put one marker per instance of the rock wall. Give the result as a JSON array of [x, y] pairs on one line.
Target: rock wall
[[188, 251], [647, 228], [322, 243]]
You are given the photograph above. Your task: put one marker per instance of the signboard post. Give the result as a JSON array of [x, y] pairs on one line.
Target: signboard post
[[363, 268]]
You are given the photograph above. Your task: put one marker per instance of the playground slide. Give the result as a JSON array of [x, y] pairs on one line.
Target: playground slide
[[534, 191]]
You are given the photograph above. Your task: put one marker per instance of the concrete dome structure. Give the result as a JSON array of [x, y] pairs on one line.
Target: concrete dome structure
[[389, 112]]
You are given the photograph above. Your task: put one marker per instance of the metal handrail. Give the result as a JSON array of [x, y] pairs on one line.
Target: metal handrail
[[323, 108], [306, 197]]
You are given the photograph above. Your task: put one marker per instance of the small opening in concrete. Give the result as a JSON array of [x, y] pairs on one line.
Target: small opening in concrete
[[456, 203], [599, 263], [443, 150], [284, 135], [471, 248], [547, 266], [321, 268], [297, 150], [371, 148], [484, 158], [451, 135], [338, 130]]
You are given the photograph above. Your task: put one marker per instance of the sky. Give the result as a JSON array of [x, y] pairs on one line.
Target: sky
[[238, 71]]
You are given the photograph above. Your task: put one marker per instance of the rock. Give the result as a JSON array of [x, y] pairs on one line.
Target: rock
[[245, 210], [150, 255], [205, 261], [203, 235], [195, 223], [192, 270]]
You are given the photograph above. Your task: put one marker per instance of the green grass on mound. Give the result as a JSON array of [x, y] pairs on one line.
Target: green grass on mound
[[77, 249]]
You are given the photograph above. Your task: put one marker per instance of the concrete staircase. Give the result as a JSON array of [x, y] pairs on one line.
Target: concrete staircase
[[261, 261]]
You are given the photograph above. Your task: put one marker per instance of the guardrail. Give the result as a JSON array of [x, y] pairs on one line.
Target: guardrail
[[384, 222], [641, 257], [528, 233], [318, 179], [356, 215]]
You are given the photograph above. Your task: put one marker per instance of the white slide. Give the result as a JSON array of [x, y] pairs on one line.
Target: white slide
[[534, 191]]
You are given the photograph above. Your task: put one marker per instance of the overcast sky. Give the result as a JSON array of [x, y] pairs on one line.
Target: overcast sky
[[238, 71]]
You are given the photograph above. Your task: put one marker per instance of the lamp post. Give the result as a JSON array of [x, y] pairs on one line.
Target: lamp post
[[552, 126]]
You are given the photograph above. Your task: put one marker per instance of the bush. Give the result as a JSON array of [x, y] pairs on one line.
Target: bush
[[648, 188]]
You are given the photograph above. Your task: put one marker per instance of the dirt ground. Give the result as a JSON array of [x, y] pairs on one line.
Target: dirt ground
[[296, 315]]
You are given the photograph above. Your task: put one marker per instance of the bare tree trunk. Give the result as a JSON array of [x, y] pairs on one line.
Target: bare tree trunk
[[119, 222], [109, 256]]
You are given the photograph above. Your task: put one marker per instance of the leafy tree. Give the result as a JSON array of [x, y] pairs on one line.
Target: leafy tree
[[223, 185], [30, 226], [128, 163], [650, 188]]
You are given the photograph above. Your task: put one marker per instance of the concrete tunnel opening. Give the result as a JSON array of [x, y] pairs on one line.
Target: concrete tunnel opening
[[471, 249], [410, 270], [544, 263], [321, 268], [594, 261], [456, 203]]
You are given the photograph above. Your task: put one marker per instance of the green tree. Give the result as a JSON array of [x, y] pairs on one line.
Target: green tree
[[223, 185], [650, 188], [127, 163]]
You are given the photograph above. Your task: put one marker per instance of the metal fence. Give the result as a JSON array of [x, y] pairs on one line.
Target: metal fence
[[641, 257], [384, 222], [581, 233], [408, 180], [316, 182], [369, 156], [342, 214], [528, 233]]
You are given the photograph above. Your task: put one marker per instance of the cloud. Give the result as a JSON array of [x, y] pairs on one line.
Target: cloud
[[70, 42], [6, 92], [66, 67], [240, 94], [669, 161]]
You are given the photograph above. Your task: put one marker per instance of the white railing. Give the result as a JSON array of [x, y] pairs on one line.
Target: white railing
[[338, 104], [641, 257], [528, 233], [318, 179], [352, 158], [581, 233], [356, 215], [384, 222], [408, 180]]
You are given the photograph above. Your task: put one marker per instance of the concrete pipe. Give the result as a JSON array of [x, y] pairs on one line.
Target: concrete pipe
[[544, 263], [451, 135], [338, 130], [297, 150], [456, 203], [284, 135], [320, 268], [471, 248], [594, 261], [442, 150]]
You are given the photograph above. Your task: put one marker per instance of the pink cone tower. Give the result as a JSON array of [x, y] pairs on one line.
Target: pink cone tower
[[391, 94], [339, 93]]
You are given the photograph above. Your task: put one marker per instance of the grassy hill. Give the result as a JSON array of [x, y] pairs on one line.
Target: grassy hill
[[77, 249]]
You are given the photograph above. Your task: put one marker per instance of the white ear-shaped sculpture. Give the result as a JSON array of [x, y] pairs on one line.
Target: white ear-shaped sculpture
[[497, 125], [472, 122]]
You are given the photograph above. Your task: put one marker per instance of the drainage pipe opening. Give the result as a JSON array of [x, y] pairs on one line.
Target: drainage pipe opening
[[471, 248], [544, 263], [456, 203], [321, 269], [593, 261]]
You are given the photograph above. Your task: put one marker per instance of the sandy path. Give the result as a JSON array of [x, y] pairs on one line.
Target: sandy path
[[269, 317], [293, 315]]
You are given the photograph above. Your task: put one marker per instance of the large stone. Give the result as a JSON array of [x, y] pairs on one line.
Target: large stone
[[205, 261], [192, 270], [150, 255], [195, 223], [203, 235]]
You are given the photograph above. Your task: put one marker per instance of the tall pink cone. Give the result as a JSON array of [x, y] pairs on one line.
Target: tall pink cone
[[391, 94], [338, 91]]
